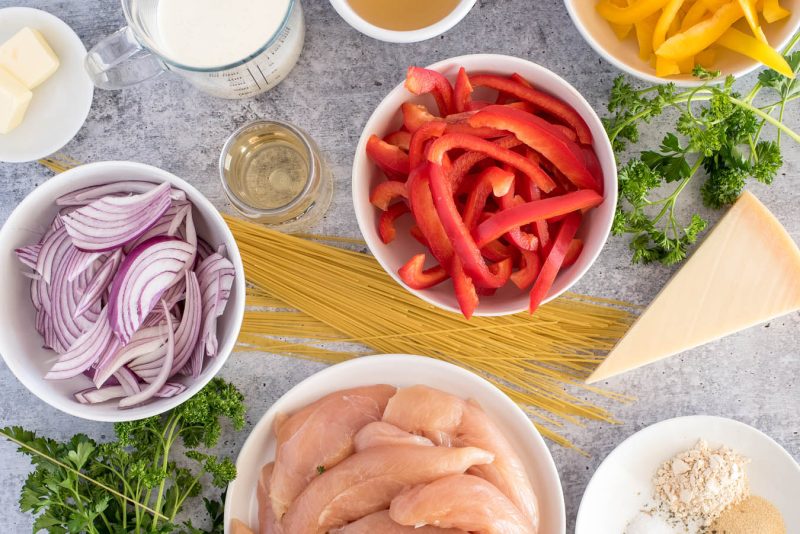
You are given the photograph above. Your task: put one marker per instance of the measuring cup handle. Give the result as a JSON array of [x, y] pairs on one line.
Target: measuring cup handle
[[120, 61]]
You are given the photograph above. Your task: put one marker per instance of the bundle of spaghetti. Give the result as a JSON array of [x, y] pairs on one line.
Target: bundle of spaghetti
[[539, 361]]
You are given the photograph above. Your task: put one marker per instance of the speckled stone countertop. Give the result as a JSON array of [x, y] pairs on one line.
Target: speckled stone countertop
[[341, 77]]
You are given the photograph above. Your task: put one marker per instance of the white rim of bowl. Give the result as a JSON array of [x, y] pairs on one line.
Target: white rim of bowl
[[654, 427], [393, 36], [371, 237], [162, 405], [649, 76], [552, 469]]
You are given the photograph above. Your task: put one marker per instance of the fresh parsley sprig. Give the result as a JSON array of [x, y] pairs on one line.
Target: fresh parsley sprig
[[132, 485], [717, 139]]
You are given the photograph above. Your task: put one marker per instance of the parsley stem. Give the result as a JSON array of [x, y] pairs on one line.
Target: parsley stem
[[767, 117], [78, 473]]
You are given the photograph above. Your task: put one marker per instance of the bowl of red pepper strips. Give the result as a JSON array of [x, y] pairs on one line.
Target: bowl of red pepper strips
[[485, 184]]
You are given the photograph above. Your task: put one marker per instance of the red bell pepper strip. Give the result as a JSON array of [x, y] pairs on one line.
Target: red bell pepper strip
[[466, 250], [529, 212], [493, 180], [415, 276], [529, 270], [416, 233], [464, 128], [463, 91], [469, 142], [475, 105], [465, 162], [530, 193], [389, 158], [543, 101], [421, 200], [385, 193], [517, 77], [422, 81], [400, 139], [540, 138], [415, 115], [386, 229], [466, 295], [573, 252], [554, 261], [497, 251], [522, 240], [425, 132]]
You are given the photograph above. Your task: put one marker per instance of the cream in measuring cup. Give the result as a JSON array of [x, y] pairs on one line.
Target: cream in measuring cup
[[227, 48]]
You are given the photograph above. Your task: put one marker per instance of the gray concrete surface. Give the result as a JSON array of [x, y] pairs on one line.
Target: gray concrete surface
[[341, 77]]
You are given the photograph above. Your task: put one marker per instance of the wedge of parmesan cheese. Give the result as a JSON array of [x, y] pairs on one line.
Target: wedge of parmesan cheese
[[746, 272]]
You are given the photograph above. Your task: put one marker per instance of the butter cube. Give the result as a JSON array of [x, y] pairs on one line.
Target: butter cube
[[14, 100], [28, 57]]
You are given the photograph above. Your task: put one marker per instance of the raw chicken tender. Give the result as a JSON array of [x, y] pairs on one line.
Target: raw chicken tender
[[287, 425], [381, 523], [324, 440], [426, 411], [267, 522], [336, 497], [465, 502], [507, 472], [237, 527], [379, 434]]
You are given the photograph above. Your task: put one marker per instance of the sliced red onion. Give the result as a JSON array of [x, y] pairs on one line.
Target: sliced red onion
[[54, 245], [98, 284], [215, 275], [65, 296], [127, 379], [29, 254], [151, 389], [148, 271], [87, 349], [146, 342], [83, 261], [204, 250], [110, 222], [87, 195], [176, 212], [107, 393]]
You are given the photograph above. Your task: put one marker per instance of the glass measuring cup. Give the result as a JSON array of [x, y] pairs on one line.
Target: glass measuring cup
[[133, 54]]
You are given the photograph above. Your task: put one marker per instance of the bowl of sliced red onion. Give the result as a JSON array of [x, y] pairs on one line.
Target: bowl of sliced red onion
[[124, 291]]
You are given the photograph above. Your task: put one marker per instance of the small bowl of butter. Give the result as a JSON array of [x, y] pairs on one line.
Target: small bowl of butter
[[45, 93], [407, 21]]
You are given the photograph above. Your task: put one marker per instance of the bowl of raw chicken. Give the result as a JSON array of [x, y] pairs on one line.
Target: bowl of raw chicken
[[395, 444]]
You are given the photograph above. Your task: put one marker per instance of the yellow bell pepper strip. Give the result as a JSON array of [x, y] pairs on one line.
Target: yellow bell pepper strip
[[742, 43], [773, 11], [749, 9], [707, 57], [644, 36], [665, 20], [666, 67], [631, 14], [694, 15], [686, 65], [621, 30], [701, 35]]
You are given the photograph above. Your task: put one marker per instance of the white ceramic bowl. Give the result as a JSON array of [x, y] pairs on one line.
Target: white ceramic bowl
[[623, 484], [21, 345], [401, 370], [625, 54], [392, 36], [387, 118], [61, 104]]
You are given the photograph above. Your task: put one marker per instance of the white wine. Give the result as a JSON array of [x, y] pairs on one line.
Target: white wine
[[272, 172]]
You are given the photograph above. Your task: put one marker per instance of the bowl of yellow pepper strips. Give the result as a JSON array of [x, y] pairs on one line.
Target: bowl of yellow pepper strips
[[665, 40]]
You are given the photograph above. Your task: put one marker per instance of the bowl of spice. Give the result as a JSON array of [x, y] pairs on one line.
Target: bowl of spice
[[693, 475], [409, 21]]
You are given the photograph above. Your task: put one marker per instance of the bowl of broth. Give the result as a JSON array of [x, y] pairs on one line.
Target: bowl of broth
[[407, 21]]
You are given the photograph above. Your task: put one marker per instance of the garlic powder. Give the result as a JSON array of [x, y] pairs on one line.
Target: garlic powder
[[699, 484]]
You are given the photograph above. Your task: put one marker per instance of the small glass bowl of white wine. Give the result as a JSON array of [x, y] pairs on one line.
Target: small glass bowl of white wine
[[273, 173]]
